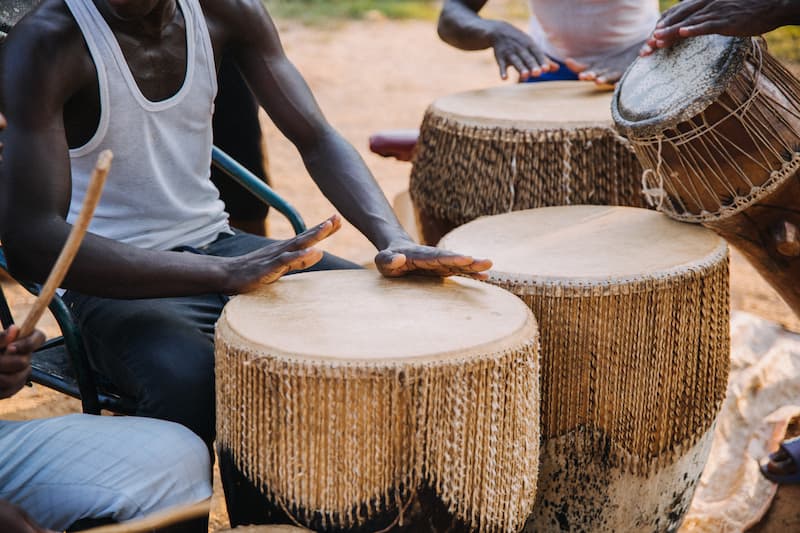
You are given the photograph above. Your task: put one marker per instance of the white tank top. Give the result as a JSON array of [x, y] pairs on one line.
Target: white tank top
[[587, 29], [158, 194]]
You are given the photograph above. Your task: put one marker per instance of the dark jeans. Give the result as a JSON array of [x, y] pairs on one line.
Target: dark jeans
[[160, 351]]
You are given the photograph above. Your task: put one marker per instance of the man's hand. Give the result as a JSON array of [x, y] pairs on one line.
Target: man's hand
[[246, 272], [15, 520], [739, 18], [15, 359], [605, 70], [406, 257], [515, 48]]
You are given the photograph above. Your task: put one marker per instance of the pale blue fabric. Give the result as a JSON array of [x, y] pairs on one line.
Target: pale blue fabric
[[61, 470]]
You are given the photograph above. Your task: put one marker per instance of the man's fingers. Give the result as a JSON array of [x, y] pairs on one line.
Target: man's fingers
[[680, 12], [533, 66], [289, 261], [503, 64], [312, 236], [12, 364], [28, 344], [575, 66], [705, 28], [518, 64]]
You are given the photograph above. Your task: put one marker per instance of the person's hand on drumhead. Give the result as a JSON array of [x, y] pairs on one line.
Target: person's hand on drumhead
[[605, 70], [740, 18], [408, 257], [267, 264], [515, 48]]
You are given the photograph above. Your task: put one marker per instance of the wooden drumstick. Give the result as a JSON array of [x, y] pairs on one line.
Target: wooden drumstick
[[98, 179], [157, 520]]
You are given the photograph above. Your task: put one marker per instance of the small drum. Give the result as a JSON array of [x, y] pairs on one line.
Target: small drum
[[634, 323], [517, 147], [358, 402], [267, 529], [715, 122]]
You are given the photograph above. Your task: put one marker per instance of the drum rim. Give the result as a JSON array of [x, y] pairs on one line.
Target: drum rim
[[581, 286], [522, 124], [739, 47], [526, 333]]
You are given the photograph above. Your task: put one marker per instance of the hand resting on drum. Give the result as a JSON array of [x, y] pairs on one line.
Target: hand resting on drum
[[269, 263], [739, 18], [406, 257], [515, 48], [605, 70]]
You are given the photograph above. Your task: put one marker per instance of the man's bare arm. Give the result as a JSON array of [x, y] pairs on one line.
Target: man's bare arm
[[461, 26], [741, 18], [42, 68], [333, 163]]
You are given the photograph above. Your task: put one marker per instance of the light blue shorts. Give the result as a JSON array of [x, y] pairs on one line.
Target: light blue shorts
[[65, 469]]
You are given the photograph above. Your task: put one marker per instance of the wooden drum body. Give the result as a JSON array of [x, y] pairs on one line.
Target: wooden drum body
[[349, 399], [517, 147], [715, 122], [634, 324]]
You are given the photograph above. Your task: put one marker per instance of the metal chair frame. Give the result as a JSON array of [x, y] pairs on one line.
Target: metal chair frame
[[62, 363]]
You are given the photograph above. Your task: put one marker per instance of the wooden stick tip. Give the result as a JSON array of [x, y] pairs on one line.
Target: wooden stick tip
[[104, 160]]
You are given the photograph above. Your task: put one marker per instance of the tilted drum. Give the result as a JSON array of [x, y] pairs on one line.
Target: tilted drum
[[354, 401], [634, 323], [715, 122], [517, 147]]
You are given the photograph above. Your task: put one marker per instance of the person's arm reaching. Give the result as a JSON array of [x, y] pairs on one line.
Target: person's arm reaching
[[740, 18], [43, 69], [462, 27], [331, 161]]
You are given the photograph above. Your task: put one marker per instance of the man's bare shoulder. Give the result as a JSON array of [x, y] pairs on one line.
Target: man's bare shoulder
[[45, 46], [236, 16]]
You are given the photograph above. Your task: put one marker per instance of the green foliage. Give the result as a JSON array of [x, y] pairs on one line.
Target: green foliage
[[315, 11]]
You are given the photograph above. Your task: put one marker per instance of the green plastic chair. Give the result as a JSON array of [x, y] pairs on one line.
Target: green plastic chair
[[62, 363]]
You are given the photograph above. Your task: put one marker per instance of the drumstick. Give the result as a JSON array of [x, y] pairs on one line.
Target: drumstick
[[96, 182], [157, 520]]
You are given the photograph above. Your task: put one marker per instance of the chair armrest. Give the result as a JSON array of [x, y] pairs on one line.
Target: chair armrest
[[261, 190]]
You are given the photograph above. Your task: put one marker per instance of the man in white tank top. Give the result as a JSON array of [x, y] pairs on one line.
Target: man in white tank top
[[568, 39], [152, 276]]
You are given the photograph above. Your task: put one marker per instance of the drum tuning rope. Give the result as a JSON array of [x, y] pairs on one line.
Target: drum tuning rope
[[706, 165]]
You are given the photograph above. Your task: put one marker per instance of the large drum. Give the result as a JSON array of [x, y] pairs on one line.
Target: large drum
[[715, 122], [517, 147], [633, 316], [363, 403]]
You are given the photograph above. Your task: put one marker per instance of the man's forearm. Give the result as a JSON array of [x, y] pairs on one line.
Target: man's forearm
[[344, 179], [462, 27], [107, 268]]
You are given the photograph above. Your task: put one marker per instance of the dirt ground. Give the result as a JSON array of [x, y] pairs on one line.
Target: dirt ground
[[371, 75]]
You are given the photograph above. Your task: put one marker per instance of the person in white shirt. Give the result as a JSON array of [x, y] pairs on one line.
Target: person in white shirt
[[592, 40]]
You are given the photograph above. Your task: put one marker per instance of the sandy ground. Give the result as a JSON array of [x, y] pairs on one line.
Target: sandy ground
[[368, 76]]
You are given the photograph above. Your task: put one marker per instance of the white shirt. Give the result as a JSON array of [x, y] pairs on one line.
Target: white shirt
[[587, 29]]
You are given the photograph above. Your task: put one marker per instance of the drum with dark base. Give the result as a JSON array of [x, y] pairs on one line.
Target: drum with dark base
[[517, 147], [715, 121], [358, 403], [633, 316]]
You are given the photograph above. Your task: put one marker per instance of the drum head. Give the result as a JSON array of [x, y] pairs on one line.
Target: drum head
[[585, 245], [674, 84], [360, 316], [559, 105], [13, 10]]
